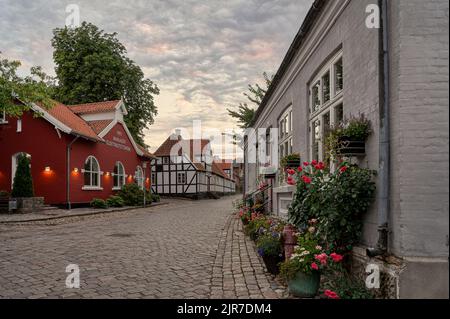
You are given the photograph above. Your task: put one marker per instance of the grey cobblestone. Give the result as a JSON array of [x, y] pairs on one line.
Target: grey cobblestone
[[182, 250]]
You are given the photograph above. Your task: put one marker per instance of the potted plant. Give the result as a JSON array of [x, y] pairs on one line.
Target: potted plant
[[302, 270], [271, 250], [349, 137], [290, 161]]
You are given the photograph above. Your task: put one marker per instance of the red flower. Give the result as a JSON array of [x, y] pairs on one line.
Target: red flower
[[314, 266], [300, 169], [343, 169], [331, 294], [320, 166], [336, 257], [290, 181], [305, 163], [290, 171], [313, 162], [306, 179]]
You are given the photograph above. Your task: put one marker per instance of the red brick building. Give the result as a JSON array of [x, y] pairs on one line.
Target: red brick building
[[77, 152]]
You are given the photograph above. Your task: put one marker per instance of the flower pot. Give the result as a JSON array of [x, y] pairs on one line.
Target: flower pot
[[271, 263], [305, 285], [293, 163], [350, 146]]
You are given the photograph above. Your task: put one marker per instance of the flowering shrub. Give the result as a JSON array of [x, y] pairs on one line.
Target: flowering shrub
[[336, 200], [269, 244]]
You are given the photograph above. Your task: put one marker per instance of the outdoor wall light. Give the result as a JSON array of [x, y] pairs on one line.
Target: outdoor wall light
[[75, 170], [107, 173], [47, 168]]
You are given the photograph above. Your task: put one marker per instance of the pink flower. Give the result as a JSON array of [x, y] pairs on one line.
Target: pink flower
[[320, 166], [331, 294], [322, 258], [290, 171], [313, 162], [300, 169], [336, 257], [343, 169], [306, 179], [305, 163], [314, 266]]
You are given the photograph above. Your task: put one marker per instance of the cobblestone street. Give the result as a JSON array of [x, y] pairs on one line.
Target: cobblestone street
[[187, 249]]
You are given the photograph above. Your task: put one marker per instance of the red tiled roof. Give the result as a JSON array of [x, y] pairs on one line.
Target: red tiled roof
[[146, 153], [224, 165], [197, 143], [96, 107], [99, 126], [63, 114], [166, 147]]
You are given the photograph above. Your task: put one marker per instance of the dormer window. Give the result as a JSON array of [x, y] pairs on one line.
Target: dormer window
[[3, 117]]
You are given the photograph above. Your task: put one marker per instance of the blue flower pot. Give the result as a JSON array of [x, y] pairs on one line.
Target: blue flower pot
[[305, 285]]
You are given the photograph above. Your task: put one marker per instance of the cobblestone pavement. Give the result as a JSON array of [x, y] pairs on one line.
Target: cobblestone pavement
[[187, 249]]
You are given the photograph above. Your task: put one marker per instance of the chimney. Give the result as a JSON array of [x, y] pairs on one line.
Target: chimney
[[178, 133]]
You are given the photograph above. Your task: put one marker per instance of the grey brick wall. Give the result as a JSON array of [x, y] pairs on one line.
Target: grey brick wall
[[420, 127]]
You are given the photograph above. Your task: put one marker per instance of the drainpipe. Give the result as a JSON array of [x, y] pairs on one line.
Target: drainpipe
[[69, 146], [384, 146]]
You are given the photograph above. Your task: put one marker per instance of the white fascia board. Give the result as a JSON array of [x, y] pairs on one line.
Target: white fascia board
[[108, 128], [122, 105], [60, 125]]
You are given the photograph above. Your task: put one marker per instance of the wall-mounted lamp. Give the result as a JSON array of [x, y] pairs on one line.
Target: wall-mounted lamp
[[75, 170], [107, 174], [47, 168]]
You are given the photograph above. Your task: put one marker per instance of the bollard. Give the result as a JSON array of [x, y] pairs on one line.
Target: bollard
[[290, 240]]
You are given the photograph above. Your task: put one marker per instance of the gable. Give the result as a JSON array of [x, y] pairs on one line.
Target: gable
[[117, 137]]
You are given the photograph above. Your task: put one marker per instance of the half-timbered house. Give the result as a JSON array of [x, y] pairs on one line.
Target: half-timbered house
[[187, 168]]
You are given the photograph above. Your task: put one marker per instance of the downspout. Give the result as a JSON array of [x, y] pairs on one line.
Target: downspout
[[69, 146], [384, 143]]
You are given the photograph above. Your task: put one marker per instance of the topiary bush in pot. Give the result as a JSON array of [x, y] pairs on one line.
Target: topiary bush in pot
[[23, 182]]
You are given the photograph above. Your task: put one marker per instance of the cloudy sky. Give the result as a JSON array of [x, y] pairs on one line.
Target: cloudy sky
[[202, 54]]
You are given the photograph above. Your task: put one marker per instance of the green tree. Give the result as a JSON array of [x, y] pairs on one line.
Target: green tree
[[23, 182], [92, 66], [244, 113], [37, 88]]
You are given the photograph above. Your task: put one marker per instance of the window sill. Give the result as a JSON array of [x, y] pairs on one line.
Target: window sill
[[3, 122], [116, 188], [92, 188]]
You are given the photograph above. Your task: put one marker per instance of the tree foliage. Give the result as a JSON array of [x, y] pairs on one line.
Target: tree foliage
[[92, 66], [37, 88], [23, 182], [244, 113]]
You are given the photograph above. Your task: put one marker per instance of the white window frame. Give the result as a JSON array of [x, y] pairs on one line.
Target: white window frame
[[285, 124], [91, 172], [183, 179], [329, 107], [121, 177], [19, 126], [139, 177]]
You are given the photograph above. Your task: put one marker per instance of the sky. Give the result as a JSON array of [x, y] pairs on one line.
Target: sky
[[201, 54]]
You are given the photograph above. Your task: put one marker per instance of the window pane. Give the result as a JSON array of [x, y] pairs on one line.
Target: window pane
[[87, 165], [315, 97], [87, 178], [339, 113], [116, 180], [94, 164], [94, 179], [316, 140], [326, 87], [338, 76]]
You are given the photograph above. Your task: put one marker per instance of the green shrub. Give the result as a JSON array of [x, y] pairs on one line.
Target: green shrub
[[4, 194], [23, 182], [115, 201], [99, 203], [132, 195], [155, 198]]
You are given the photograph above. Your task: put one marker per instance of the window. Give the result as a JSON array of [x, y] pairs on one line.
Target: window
[[153, 181], [19, 125], [119, 175], [285, 138], [3, 117], [181, 178], [326, 107], [166, 160], [139, 177], [91, 173]]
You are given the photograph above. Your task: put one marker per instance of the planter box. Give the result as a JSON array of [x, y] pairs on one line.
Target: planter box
[[28, 204], [349, 146], [293, 164]]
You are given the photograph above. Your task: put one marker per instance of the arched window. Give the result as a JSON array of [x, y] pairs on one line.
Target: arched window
[[91, 172], [139, 176], [119, 175]]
